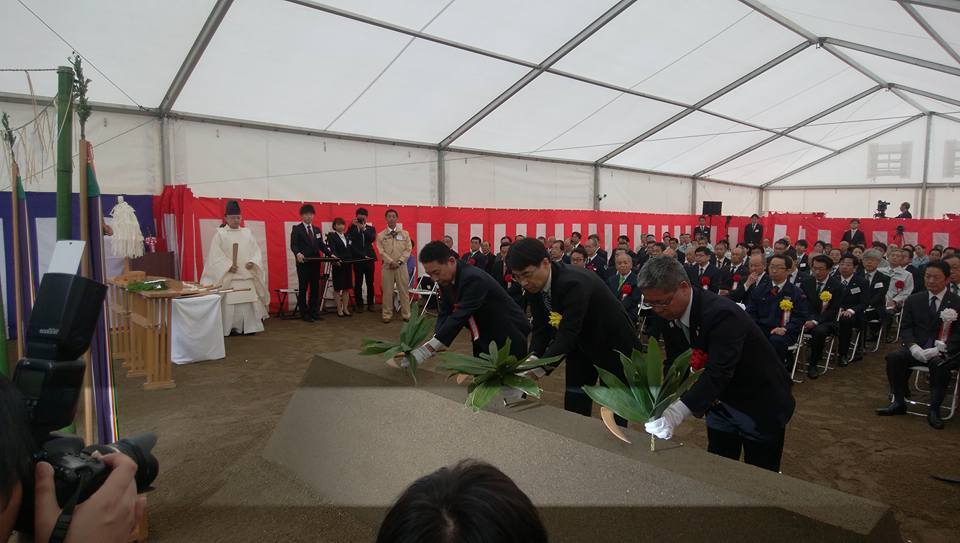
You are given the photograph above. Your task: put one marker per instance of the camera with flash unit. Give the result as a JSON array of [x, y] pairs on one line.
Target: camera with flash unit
[[50, 378]]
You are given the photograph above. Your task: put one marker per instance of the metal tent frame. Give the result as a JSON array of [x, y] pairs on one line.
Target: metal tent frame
[[835, 46]]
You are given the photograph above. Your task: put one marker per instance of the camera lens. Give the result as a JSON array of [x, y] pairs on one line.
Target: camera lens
[[138, 448]]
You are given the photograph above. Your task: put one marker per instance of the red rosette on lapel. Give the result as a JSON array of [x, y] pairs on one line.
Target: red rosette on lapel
[[698, 359]]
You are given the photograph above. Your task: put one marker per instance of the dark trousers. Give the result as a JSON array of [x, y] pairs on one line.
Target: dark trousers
[[820, 332], [781, 344], [581, 371], [363, 271], [763, 454], [731, 432], [898, 374], [308, 278]]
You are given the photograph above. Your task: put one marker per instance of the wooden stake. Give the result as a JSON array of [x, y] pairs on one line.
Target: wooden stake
[[236, 247], [17, 276], [85, 268]]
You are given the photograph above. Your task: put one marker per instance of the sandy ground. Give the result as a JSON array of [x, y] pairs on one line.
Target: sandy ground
[[213, 484]]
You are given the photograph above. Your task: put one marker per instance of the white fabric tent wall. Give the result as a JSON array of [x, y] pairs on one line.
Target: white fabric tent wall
[[126, 152], [840, 202], [634, 191]]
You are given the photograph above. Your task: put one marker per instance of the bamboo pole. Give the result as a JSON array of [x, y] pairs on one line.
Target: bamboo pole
[[17, 274], [64, 152], [85, 268]]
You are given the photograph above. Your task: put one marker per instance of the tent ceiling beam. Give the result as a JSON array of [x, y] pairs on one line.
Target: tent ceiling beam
[[843, 150], [947, 5], [713, 96], [867, 186], [814, 39], [555, 57], [931, 95], [206, 33], [892, 55], [627, 90], [930, 30], [17, 98], [519, 62], [800, 124]]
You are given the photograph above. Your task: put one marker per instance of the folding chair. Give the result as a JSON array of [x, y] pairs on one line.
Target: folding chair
[[865, 329], [950, 398], [643, 311], [419, 291], [899, 319], [796, 349], [853, 346]]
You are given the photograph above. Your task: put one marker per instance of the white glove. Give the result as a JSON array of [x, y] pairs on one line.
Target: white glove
[[849, 313], [672, 417], [436, 344], [941, 346], [930, 354], [916, 352]]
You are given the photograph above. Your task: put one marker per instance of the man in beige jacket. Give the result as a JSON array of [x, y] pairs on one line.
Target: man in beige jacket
[[394, 246]]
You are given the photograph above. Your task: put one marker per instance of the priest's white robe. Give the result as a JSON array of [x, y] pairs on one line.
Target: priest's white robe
[[245, 308]]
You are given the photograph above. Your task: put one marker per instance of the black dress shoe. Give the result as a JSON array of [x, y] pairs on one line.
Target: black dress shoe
[[370, 308], [308, 318], [843, 361], [933, 417], [896, 408], [358, 308], [812, 371]]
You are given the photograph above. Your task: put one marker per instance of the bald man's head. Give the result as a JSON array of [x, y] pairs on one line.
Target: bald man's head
[[758, 264]]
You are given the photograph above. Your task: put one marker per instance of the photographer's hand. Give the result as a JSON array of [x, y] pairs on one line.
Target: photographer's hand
[[109, 515]]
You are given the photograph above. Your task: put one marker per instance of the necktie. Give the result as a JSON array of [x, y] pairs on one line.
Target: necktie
[[701, 272], [776, 290], [622, 279], [844, 282], [547, 302], [933, 307], [685, 329], [819, 287]]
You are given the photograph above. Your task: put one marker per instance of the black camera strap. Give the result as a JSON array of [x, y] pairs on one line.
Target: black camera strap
[[60, 529]]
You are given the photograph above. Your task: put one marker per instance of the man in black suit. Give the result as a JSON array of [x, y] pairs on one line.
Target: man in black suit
[[306, 241], [757, 277], [701, 229], [470, 298], [852, 303], [953, 282], [878, 283], [704, 274], [593, 325], [824, 309], [719, 257], [623, 283], [744, 390], [503, 276], [601, 252], [802, 258], [753, 232], [362, 237], [556, 251], [738, 268], [854, 236], [782, 328], [623, 244], [595, 261], [475, 256], [922, 322]]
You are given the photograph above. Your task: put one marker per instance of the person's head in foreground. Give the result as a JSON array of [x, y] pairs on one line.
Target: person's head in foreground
[[470, 502], [439, 262], [530, 264], [665, 286]]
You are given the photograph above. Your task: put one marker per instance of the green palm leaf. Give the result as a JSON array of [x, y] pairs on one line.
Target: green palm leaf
[[618, 400], [527, 385], [482, 393]]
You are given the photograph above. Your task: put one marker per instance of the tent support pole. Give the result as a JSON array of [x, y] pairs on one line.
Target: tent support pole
[[926, 167], [441, 177]]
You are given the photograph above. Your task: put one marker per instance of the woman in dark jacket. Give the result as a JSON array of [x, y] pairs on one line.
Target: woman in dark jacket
[[342, 273]]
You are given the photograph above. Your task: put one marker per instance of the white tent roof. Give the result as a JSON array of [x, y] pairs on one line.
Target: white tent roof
[[742, 91]]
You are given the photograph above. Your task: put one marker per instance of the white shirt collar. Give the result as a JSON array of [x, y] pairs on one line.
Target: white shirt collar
[[546, 288], [685, 319], [940, 296], [793, 276]]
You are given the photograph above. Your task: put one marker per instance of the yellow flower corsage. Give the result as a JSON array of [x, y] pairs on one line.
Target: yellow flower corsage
[[825, 296], [786, 305], [555, 319]]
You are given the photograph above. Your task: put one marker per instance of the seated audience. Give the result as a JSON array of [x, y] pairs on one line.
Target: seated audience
[[578, 257], [824, 304], [852, 303], [921, 326], [595, 260], [469, 502], [878, 284], [953, 282], [600, 250], [474, 256], [781, 309], [919, 255], [802, 257], [556, 252], [757, 266], [736, 272], [623, 284], [703, 274]]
